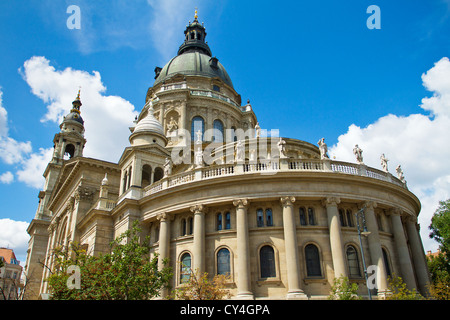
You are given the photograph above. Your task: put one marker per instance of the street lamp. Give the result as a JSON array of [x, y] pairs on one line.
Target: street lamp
[[365, 232]]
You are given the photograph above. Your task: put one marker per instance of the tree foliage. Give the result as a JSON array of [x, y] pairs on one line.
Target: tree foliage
[[126, 273], [439, 268], [200, 287], [439, 265], [440, 227], [342, 289], [398, 290]]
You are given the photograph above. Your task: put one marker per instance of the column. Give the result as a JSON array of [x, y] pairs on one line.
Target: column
[[418, 255], [336, 243], [404, 259], [376, 255], [183, 116], [199, 239], [243, 253], [291, 248], [164, 238], [164, 245]]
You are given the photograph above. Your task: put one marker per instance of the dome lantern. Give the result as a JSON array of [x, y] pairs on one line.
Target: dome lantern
[[194, 41]]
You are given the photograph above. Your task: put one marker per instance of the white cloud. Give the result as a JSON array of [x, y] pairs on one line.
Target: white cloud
[[168, 16], [418, 142], [106, 118], [13, 235], [6, 177], [33, 168], [3, 117], [11, 151]]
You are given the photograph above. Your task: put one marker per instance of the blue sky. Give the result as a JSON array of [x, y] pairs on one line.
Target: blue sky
[[311, 69]]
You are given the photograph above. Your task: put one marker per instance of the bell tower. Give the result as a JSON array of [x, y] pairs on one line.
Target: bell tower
[[70, 141]]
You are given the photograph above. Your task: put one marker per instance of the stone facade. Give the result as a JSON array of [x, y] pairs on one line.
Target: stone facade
[[276, 214]]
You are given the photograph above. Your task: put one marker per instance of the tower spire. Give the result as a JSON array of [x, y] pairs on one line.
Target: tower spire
[[76, 104], [195, 35]]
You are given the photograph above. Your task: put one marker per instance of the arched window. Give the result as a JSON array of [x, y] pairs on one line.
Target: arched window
[[69, 152], [185, 268], [159, 174], [223, 261], [353, 262], [124, 181], [197, 124], [312, 261], [219, 221], [269, 218], [267, 262], [218, 131], [146, 175]]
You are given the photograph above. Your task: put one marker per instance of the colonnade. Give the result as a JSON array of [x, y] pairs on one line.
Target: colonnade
[[412, 265]]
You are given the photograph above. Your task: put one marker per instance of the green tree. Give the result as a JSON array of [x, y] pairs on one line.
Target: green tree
[[342, 289], [200, 287], [126, 273], [440, 227], [439, 266], [399, 291]]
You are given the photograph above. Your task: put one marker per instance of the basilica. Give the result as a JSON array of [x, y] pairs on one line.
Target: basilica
[[218, 194]]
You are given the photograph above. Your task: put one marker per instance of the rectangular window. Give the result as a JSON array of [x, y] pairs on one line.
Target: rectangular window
[[311, 217], [269, 218], [219, 221], [227, 220], [302, 216], [260, 218]]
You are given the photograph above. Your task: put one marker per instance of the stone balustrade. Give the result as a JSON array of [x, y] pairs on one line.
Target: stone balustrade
[[271, 167]]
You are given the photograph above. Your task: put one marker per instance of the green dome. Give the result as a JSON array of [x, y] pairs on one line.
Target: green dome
[[194, 63], [194, 58]]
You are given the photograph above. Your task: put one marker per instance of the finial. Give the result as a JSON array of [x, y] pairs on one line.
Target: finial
[[195, 16], [76, 104], [78, 95]]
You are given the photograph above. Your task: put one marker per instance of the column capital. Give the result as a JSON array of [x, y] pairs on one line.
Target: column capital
[[331, 201], [394, 212], [163, 217], [367, 204], [287, 201], [198, 208], [240, 203], [411, 219]]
